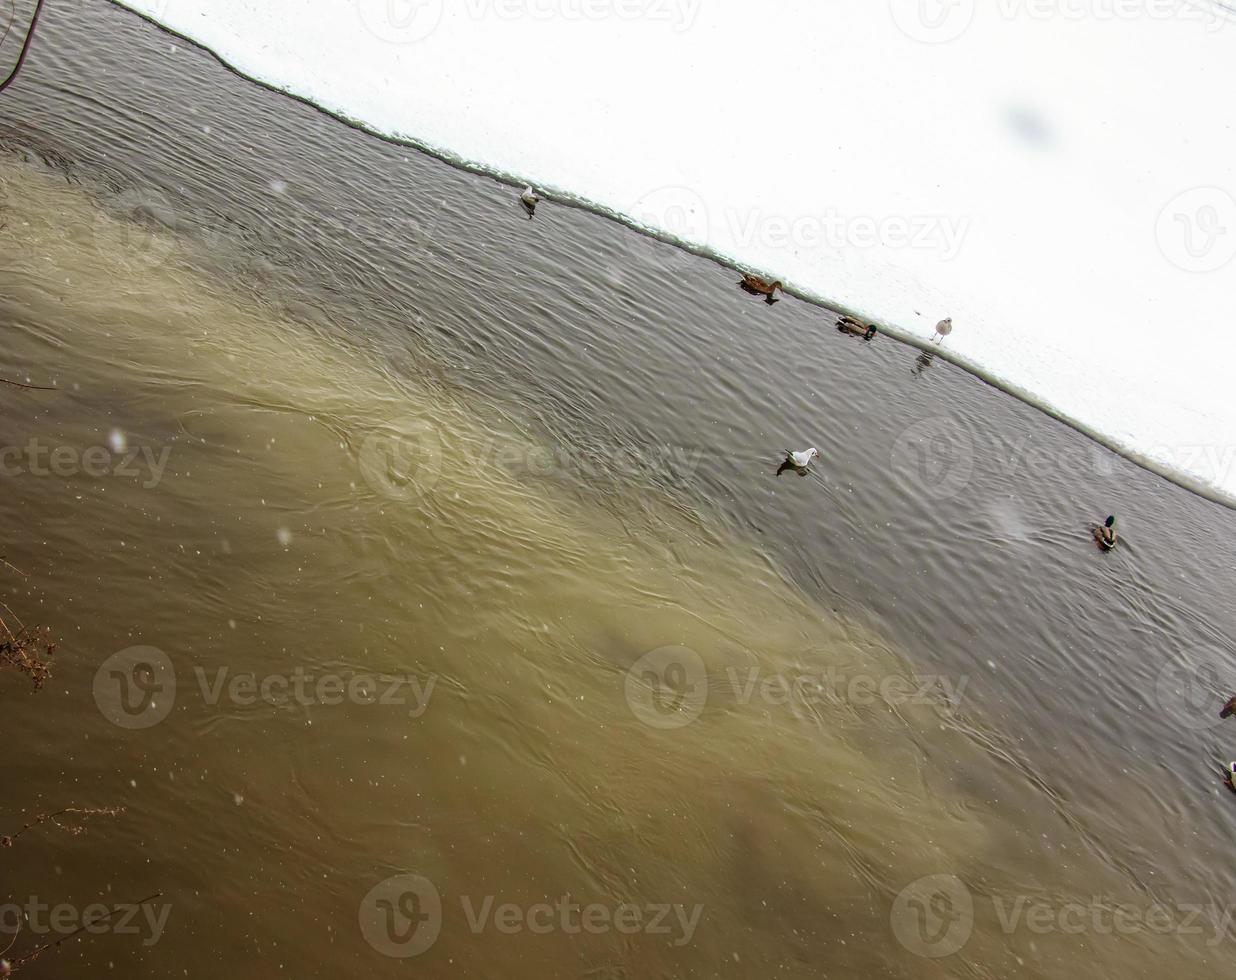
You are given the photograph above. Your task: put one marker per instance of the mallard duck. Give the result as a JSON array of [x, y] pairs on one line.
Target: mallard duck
[[1229, 709], [760, 287], [529, 200], [1105, 534], [847, 324]]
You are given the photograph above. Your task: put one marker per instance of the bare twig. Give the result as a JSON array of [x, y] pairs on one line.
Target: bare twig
[[14, 567], [9, 26], [25, 48], [79, 811], [18, 384], [36, 953]]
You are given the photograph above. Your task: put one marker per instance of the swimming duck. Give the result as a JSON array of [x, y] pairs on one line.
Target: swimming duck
[[847, 324], [530, 200], [798, 462], [1105, 534], [760, 287], [1229, 709]]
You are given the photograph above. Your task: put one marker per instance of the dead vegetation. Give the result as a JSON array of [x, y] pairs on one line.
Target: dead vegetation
[[29, 651], [77, 812]]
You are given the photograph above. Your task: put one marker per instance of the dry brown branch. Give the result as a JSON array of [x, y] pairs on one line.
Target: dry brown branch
[[6, 564], [52, 818], [18, 384], [7, 969], [29, 651]]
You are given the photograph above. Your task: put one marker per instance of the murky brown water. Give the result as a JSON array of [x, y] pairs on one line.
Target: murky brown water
[[453, 555]]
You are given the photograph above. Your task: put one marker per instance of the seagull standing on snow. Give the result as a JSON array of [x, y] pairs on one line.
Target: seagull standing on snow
[[943, 329], [529, 200], [799, 462]]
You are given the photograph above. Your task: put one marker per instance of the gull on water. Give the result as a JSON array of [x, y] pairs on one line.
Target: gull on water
[[798, 462], [530, 200]]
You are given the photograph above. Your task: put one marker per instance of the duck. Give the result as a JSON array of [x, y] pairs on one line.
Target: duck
[[760, 287], [1105, 534], [530, 200], [799, 462], [1230, 708], [847, 324]]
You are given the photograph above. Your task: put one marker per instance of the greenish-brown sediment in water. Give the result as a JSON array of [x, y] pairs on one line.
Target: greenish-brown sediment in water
[[291, 527]]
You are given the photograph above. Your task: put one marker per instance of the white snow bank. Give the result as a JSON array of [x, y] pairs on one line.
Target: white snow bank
[[1056, 175]]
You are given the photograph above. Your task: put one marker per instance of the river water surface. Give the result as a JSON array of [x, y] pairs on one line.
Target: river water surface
[[388, 534]]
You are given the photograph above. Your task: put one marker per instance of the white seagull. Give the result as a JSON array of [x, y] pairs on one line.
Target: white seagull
[[803, 459], [529, 199], [943, 329]]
